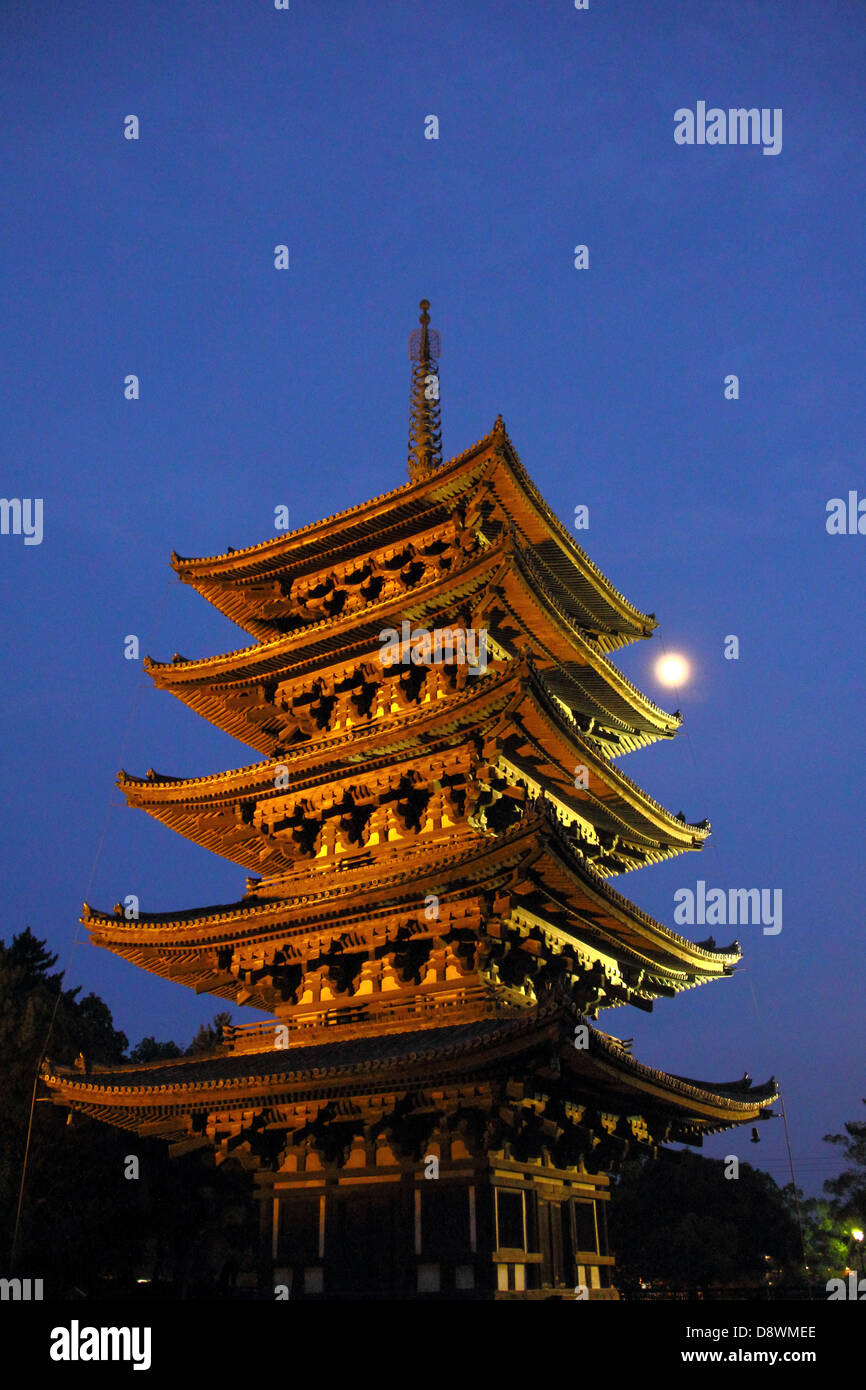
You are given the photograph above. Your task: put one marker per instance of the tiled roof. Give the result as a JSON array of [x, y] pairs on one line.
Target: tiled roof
[[167, 1082], [319, 1060]]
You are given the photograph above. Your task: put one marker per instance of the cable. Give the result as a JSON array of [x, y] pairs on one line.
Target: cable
[[796, 1193]]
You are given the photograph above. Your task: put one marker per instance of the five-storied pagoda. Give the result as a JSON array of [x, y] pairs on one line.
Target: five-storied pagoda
[[431, 836]]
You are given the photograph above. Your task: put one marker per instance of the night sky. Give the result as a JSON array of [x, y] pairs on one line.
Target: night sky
[[262, 387]]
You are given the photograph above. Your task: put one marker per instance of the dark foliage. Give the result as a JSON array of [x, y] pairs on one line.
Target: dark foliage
[[849, 1189], [149, 1050], [208, 1036], [680, 1223], [86, 1227]]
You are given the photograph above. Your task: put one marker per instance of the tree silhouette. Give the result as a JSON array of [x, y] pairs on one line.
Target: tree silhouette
[[88, 1228], [679, 1224], [849, 1188]]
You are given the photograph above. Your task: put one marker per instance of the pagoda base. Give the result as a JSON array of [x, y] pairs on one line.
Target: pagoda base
[[487, 1228]]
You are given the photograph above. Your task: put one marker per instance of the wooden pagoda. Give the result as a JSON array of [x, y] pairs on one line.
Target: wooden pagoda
[[431, 833]]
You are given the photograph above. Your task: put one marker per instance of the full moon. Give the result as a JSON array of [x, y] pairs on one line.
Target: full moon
[[672, 670]]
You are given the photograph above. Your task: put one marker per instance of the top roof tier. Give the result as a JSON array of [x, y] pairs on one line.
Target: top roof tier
[[264, 587]]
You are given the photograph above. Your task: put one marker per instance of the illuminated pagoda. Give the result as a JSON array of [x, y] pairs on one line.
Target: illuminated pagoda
[[431, 833]]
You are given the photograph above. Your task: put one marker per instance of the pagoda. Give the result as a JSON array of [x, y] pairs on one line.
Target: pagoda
[[431, 831]]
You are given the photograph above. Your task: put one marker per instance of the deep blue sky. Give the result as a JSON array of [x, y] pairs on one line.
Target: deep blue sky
[[258, 388]]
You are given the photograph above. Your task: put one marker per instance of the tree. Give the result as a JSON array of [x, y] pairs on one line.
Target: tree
[[849, 1188], [149, 1050], [679, 1223], [34, 1008], [824, 1238], [208, 1036], [91, 1221]]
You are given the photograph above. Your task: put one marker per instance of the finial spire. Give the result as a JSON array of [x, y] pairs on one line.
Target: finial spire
[[425, 425]]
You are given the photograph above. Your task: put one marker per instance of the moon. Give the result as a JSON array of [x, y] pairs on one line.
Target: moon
[[672, 669]]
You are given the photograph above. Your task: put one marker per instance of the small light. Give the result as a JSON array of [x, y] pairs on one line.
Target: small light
[[857, 1233]]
